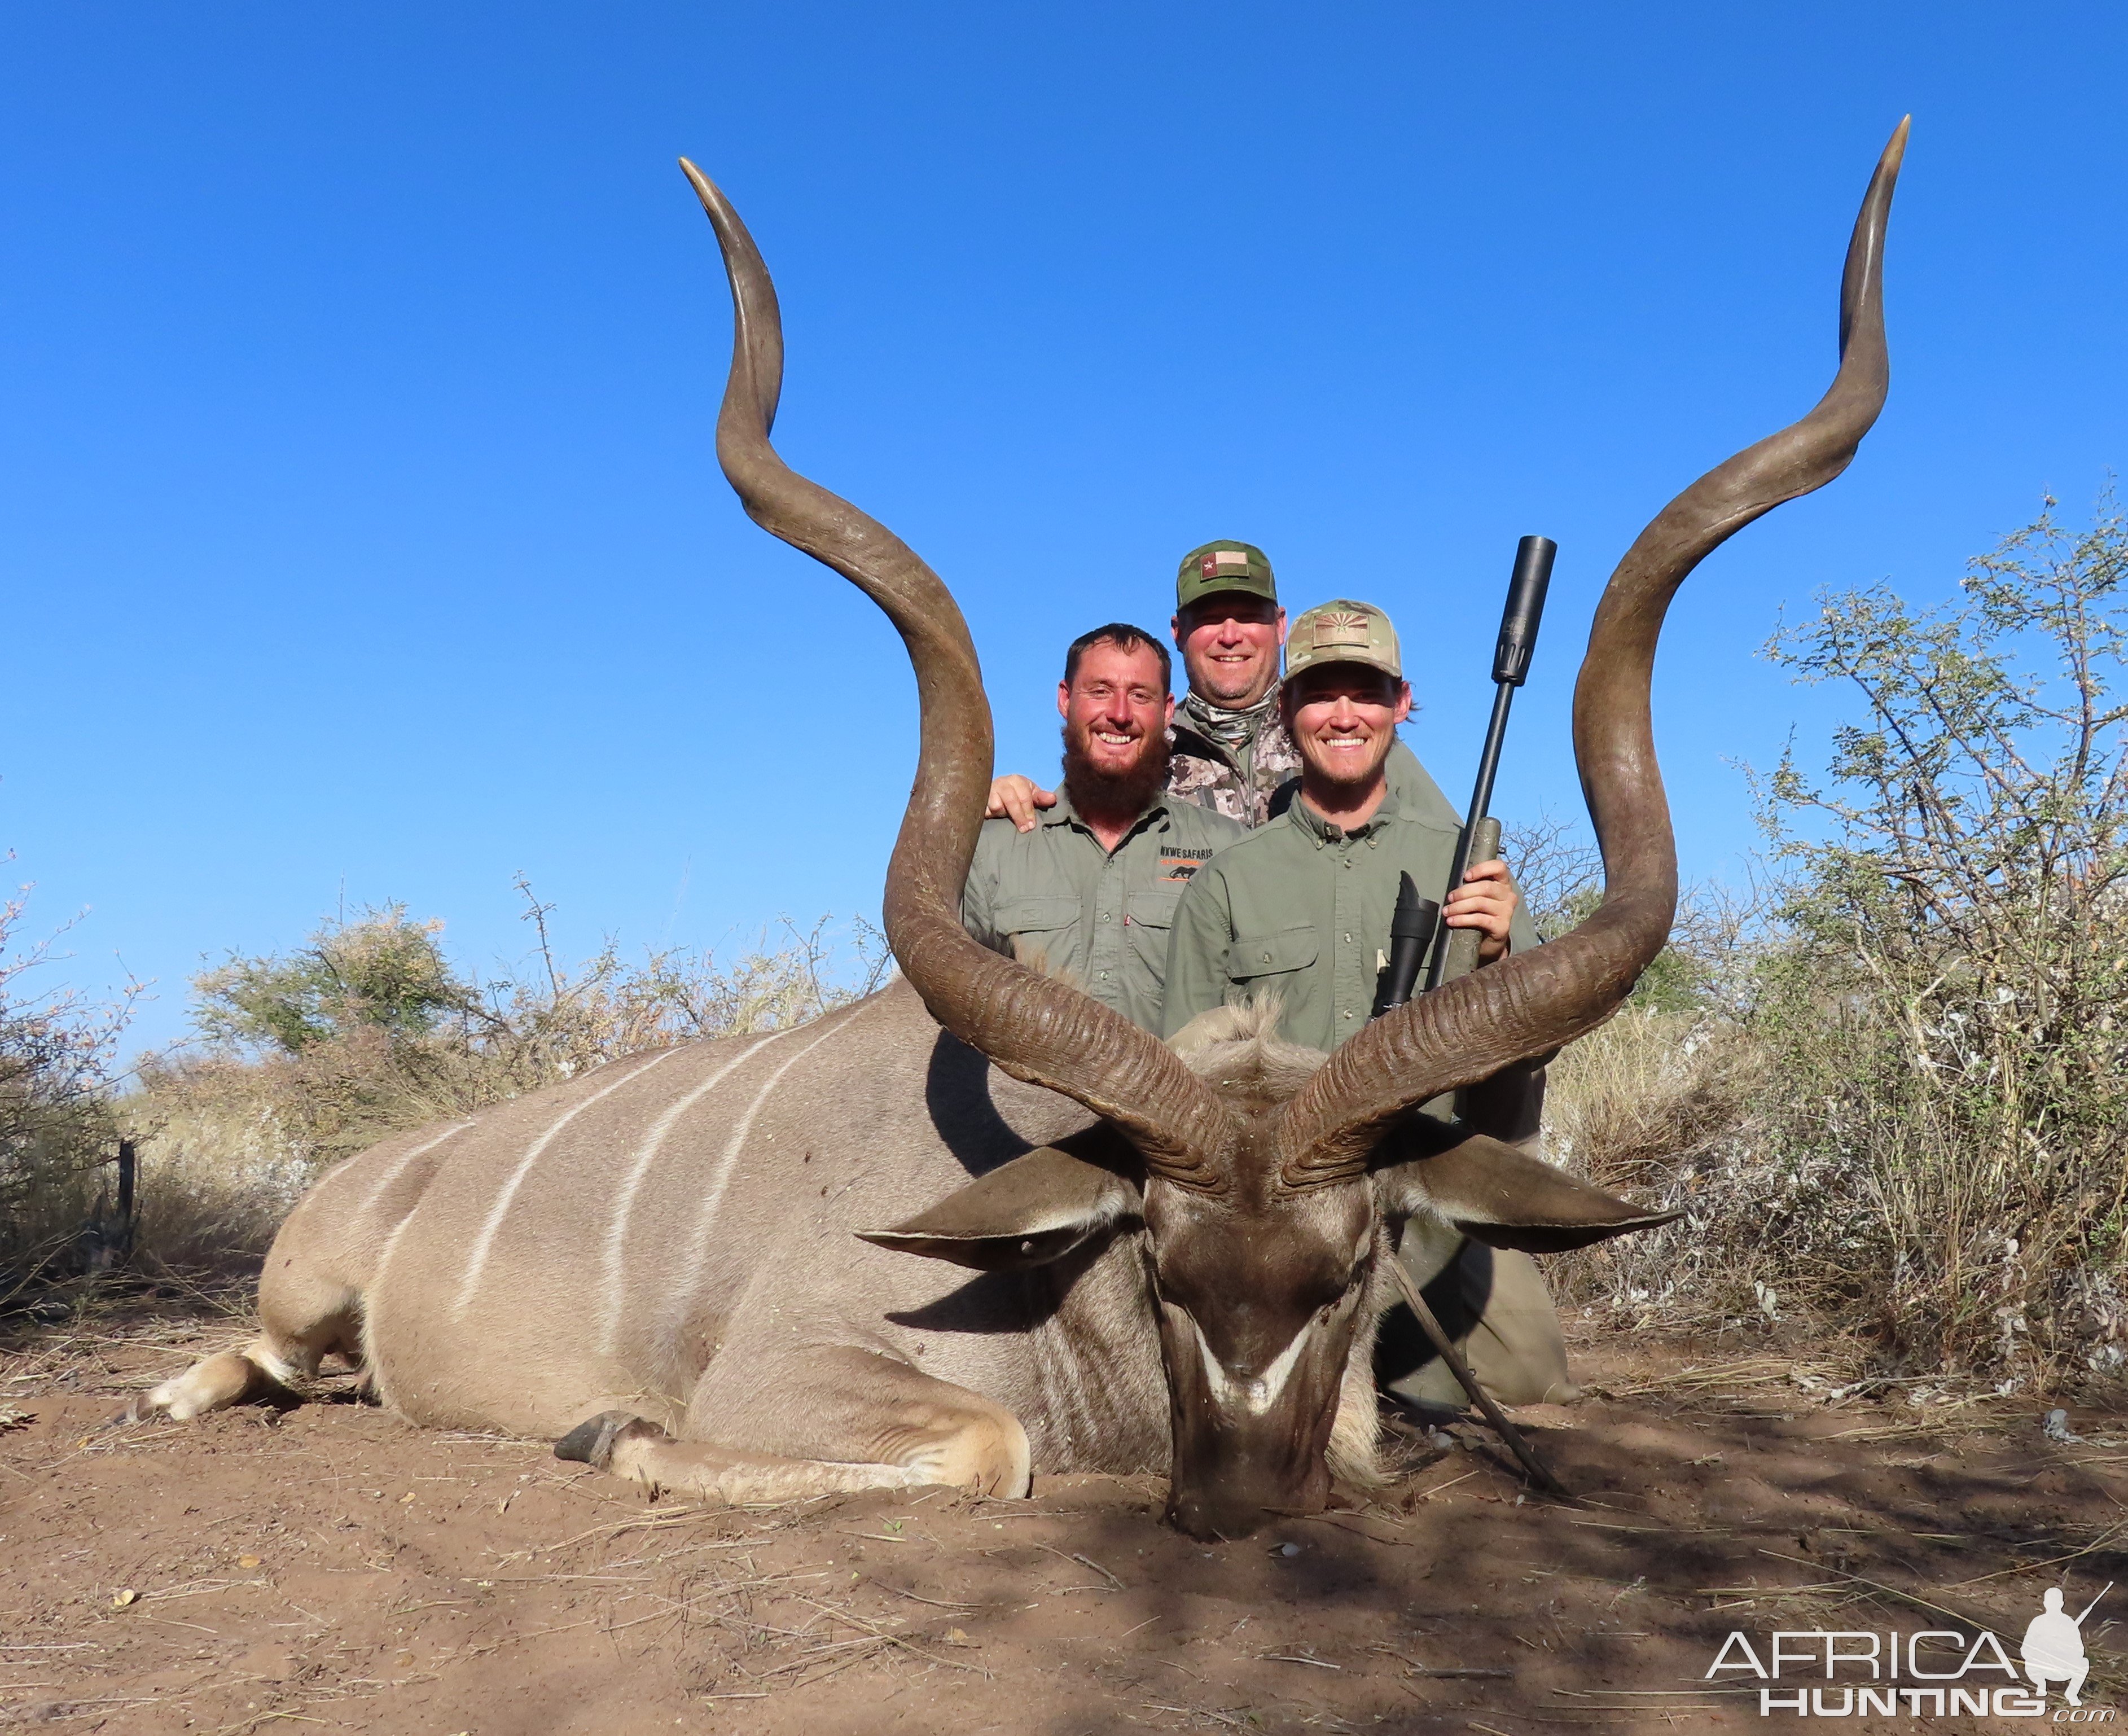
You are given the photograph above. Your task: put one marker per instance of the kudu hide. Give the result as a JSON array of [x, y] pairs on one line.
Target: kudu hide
[[1136, 1256]]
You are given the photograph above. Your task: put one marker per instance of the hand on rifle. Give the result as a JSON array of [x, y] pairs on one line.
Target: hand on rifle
[[1016, 797], [1486, 901]]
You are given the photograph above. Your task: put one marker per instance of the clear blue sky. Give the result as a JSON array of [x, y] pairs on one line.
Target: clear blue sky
[[361, 536]]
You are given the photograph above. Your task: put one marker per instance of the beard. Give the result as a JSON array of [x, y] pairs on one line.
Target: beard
[[1095, 789]]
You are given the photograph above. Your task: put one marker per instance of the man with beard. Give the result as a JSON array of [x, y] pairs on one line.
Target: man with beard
[[1088, 891], [1300, 908], [1231, 751]]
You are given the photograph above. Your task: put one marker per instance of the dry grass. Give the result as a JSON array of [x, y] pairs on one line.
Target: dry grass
[[307, 1059], [1656, 1106]]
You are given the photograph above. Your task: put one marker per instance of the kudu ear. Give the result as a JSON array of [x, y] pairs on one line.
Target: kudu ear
[[1498, 1195], [1036, 1209]]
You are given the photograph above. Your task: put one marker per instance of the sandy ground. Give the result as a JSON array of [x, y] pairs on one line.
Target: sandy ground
[[330, 1568]]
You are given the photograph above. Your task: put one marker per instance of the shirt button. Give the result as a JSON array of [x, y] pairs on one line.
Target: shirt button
[[1105, 973], [1267, 958], [1105, 915], [1348, 940]]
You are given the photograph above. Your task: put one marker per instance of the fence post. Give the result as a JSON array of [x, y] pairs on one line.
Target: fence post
[[128, 1166]]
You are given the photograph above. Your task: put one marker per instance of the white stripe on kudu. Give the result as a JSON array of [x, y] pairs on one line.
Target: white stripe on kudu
[[646, 1154], [698, 1245], [397, 1169], [485, 1239]]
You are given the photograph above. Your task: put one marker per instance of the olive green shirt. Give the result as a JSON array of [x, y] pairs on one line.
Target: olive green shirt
[[1097, 918], [1303, 906]]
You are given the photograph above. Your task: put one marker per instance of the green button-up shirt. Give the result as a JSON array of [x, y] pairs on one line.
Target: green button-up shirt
[[1099, 918], [1303, 906]]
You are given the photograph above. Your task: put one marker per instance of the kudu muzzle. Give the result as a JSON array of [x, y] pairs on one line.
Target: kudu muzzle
[[1251, 1443]]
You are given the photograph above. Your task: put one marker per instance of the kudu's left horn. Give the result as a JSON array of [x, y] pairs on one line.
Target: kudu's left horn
[[1038, 1029], [1531, 1003]]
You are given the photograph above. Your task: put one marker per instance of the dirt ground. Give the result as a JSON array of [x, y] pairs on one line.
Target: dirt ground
[[329, 1567]]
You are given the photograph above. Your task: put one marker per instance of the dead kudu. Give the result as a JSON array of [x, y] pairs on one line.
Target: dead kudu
[[1137, 1257]]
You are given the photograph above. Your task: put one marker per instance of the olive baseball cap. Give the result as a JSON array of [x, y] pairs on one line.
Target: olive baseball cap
[[1343, 632], [1217, 567]]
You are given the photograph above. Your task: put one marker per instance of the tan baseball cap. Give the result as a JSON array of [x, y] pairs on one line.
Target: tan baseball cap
[[1343, 632]]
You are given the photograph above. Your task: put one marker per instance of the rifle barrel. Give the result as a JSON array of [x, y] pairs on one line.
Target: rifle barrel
[[1519, 621]]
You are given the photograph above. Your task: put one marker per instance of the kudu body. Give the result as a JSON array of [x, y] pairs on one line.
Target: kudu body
[[1134, 1257]]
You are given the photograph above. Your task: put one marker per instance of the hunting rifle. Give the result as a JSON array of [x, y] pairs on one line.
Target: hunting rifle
[[1413, 923]]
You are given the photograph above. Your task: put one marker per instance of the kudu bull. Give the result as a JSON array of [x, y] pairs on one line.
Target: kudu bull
[[1178, 1252]]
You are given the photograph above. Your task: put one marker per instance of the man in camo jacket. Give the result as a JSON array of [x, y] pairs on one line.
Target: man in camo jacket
[[1230, 753]]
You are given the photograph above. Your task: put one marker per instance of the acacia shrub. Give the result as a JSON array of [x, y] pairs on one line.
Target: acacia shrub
[[1944, 1139]]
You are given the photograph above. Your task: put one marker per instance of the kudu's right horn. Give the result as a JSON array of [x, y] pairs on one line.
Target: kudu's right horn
[[1037, 1029], [1531, 1003]]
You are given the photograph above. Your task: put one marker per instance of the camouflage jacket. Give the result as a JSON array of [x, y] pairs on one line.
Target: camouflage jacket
[[1257, 782]]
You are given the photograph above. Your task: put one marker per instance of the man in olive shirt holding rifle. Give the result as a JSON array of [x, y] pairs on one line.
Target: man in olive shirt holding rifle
[[1301, 908]]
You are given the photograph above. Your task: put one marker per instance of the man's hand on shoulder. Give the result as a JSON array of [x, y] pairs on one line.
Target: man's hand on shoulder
[[1015, 797], [1486, 901]]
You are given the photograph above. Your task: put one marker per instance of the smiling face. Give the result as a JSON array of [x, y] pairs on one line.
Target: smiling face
[[1343, 719], [1115, 709], [1229, 643]]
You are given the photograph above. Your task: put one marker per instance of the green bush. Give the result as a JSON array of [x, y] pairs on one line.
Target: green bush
[[1946, 1014], [57, 1133], [1890, 1090]]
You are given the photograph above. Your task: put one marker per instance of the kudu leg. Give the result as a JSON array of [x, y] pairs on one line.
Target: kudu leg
[[844, 1419], [305, 1316]]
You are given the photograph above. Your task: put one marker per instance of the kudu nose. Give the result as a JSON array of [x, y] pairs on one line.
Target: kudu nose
[[1232, 1483]]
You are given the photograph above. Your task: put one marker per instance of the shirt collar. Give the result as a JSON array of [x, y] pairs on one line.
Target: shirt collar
[[1324, 832], [1065, 814]]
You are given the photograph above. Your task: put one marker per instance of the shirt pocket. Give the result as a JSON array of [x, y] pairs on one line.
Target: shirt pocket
[[1150, 915], [1272, 953], [1043, 917], [1038, 932]]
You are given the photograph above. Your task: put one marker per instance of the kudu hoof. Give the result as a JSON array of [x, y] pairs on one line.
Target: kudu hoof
[[592, 1443]]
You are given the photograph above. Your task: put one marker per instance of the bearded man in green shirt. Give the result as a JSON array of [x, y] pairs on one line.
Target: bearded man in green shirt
[[1088, 891], [1300, 908]]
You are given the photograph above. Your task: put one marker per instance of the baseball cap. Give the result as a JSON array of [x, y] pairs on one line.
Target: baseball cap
[[1216, 567], [1343, 632]]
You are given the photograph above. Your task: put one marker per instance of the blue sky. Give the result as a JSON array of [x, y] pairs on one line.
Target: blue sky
[[361, 537]]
